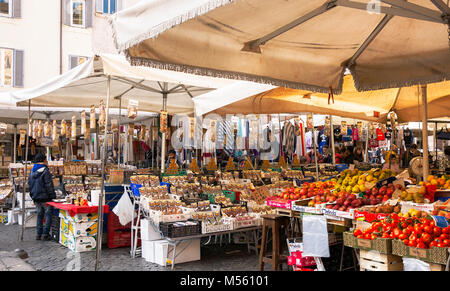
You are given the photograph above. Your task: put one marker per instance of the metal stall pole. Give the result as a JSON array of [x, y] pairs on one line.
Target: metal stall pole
[[423, 92], [102, 191], [315, 149], [25, 172], [119, 123], [153, 142], [15, 143], [163, 141], [366, 156], [332, 140]]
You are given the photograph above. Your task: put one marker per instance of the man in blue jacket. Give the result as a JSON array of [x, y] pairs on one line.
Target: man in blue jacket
[[42, 191]]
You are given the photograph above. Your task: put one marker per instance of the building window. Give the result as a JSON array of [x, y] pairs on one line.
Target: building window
[[5, 7], [6, 67], [108, 6], [78, 13], [76, 60]]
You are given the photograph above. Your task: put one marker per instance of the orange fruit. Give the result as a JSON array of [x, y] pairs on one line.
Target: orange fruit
[[430, 177]]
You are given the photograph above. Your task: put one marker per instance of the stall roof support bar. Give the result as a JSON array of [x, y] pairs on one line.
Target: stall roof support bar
[[254, 45], [441, 6], [414, 8], [394, 11], [371, 37], [136, 84]]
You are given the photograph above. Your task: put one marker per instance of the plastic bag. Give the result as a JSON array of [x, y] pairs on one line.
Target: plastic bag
[[410, 264], [315, 236], [124, 209]]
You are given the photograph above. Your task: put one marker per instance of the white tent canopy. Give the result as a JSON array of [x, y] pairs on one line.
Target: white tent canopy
[[85, 85]]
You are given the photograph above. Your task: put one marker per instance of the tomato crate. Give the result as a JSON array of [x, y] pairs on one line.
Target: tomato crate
[[434, 255], [368, 216], [381, 245], [276, 202], [374, 261]]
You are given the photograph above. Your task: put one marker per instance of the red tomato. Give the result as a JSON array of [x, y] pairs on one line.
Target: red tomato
[[426, 238], [421, 245], [432, 223], [433, 244], [367, 236], [418, 229], [357, 232], [412, 237], [360, 236], [446, 230], [440, 245], [428, 229], [437, 231], [406, 242], [412, 243], [407, 232], [446, 242], [402, 236], [443, 236], [372, 237], [385, 235]]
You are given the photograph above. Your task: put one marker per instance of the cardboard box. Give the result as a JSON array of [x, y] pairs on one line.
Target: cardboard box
[[186, 251], [78, 229], [83, 217], [432, 255], [148, 232], [149, 251], [78, 244]]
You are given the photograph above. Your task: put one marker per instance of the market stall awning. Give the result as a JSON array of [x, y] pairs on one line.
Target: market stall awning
[[300, 44], [351, 103], [86, 84]]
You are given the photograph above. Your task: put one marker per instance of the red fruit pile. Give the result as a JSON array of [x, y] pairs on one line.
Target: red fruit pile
[[414, 232], [308, 190], [347, 201], [383, 193]]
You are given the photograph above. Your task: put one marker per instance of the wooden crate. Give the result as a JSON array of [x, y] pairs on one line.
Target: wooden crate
[[284, 212], [374, 261]]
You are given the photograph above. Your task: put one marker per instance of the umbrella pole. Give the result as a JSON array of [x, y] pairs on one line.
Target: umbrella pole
[[315, 150], [119, 123], [332, 141], [25, 173], [423, 89], [15, 143], [102, 192], [366, 156], [163, 141]]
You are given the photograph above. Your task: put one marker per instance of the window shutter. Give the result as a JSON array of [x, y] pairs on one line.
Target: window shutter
[[99, 6], [66, 12], [73, 62], [89, 11], [18, 68], [16, 8]]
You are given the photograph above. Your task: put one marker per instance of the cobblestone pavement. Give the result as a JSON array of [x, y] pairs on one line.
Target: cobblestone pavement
[[52, 256]]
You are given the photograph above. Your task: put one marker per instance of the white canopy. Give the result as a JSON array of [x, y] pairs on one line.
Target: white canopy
[[85, 85], [298, 44]]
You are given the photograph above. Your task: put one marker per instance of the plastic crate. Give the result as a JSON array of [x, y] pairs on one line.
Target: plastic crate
[[121, 238], [341, 167], [114, 223], [135, 189], [170, 230]]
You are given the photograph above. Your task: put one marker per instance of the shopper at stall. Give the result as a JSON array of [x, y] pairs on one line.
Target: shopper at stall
[[409, 154], [338, 155], [358, 154], [348, 156], [42, 191]]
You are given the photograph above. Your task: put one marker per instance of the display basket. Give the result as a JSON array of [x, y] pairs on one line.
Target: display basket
[[174, 229], [237, 224], [212, 228], [158, 217]]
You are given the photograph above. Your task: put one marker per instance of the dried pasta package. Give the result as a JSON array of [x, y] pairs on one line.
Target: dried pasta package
[[142, 133], [23, 132], [34, 130], [132, 108], [3, 128], [83, 122], [40, 128], [344, 127], [92, 123], [310, 121], [114, 125], [102, 117], [54, 129], [68, 132], [46, 129], [131, 129], [63, 127], [163, 122], [87, 134], [74, 128]]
